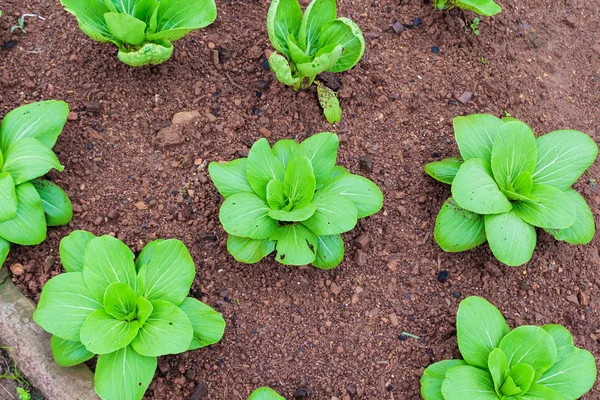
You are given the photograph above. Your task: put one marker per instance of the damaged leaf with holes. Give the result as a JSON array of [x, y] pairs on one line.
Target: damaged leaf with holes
[[143, 30], [507, 182], [126, 311], [29, 204], [292, 199], [311, 42]]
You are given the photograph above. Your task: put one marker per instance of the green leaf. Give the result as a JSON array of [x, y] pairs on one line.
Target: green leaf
[[433, 377], [90, 16], [64, 305], [43, 121], [123, 375], [103, 334], [249, 251], [176, 18], [530, 345], [120, 301], [208, 324], [511, 239], [67, 353], [539, 392], [72, 250], [321, 150], [170, 270], [522, 375], [457, 229], [338, 170], [230, 178], [467, 382], [554, 208], [365, 195], [316, 16], [57, 205], [445, 170], [345, 32], [335, 214], [480, 328], [8, 197], [297, 214], [166, 331], [144, 310], [482, 7], [262, 167], [509, 388], [284, 18], [283, 150], [4, 249], [265, 393], [514, 151], [276, 197], [29, 225], [475, 190], [107, 260], [330, 104], [573, 373], [326, 58], [561, 335], [523, 183], [281, 67], [126, 28], [148, 54], [143, 10], [247, 215], [475, 135], [297, 55], [299, 181], [28, 158], [583, 229], [562, 157], [497, 365], [296, 245], [330, 252]]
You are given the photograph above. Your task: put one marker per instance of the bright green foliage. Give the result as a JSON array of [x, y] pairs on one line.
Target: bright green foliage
[[128, 312], [481, 7], [527, 363], [310, 43], [507, 182], [142, 29], [29, 204], [292, 199], [265, 393]]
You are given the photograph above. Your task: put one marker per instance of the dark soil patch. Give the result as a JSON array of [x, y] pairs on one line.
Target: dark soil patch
[[335, 333]]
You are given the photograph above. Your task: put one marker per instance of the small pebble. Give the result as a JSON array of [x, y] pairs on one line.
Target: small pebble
[[435, 50], [266, 65], [456, 294], [442, 276], [402, 337]]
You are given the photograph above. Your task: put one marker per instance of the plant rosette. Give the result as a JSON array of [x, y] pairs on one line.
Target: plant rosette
[[129, 313], [265, 393], [142, 29], [28, 205], [482, 7], [310, 43], [507, 182], [527, 363], [292, 199]]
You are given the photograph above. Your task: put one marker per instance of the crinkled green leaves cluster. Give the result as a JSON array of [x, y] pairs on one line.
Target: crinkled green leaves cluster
[[481, 7], [311, 43], [265, 393], [142, 29], [128, 312], [507, 183], [293, 199], [28, 204], [527, 363]]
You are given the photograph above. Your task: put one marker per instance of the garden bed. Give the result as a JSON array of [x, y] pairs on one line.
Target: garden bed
[[338, 333]]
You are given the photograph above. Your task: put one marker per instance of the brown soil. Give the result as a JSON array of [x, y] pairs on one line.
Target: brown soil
[[335, 333]]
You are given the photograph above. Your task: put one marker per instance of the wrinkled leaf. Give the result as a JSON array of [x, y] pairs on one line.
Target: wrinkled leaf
[[148, 54], [330, 104], [326, 58], [281, 67]]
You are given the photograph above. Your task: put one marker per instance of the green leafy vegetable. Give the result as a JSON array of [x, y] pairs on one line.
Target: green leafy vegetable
[[507, 182], [482, 7], [142, 29], [265, 393], [529, 362], [129, 313], [27, 204], [292, 199], [310, 43]]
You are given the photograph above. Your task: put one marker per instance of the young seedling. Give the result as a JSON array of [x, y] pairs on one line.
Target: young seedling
[[21, 22], [482, 7], [529, 362], [129, 313], [475, 26], [29, 204], [265, 393], [507, 183], [292, 199], [142, 29], [310, 43]]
